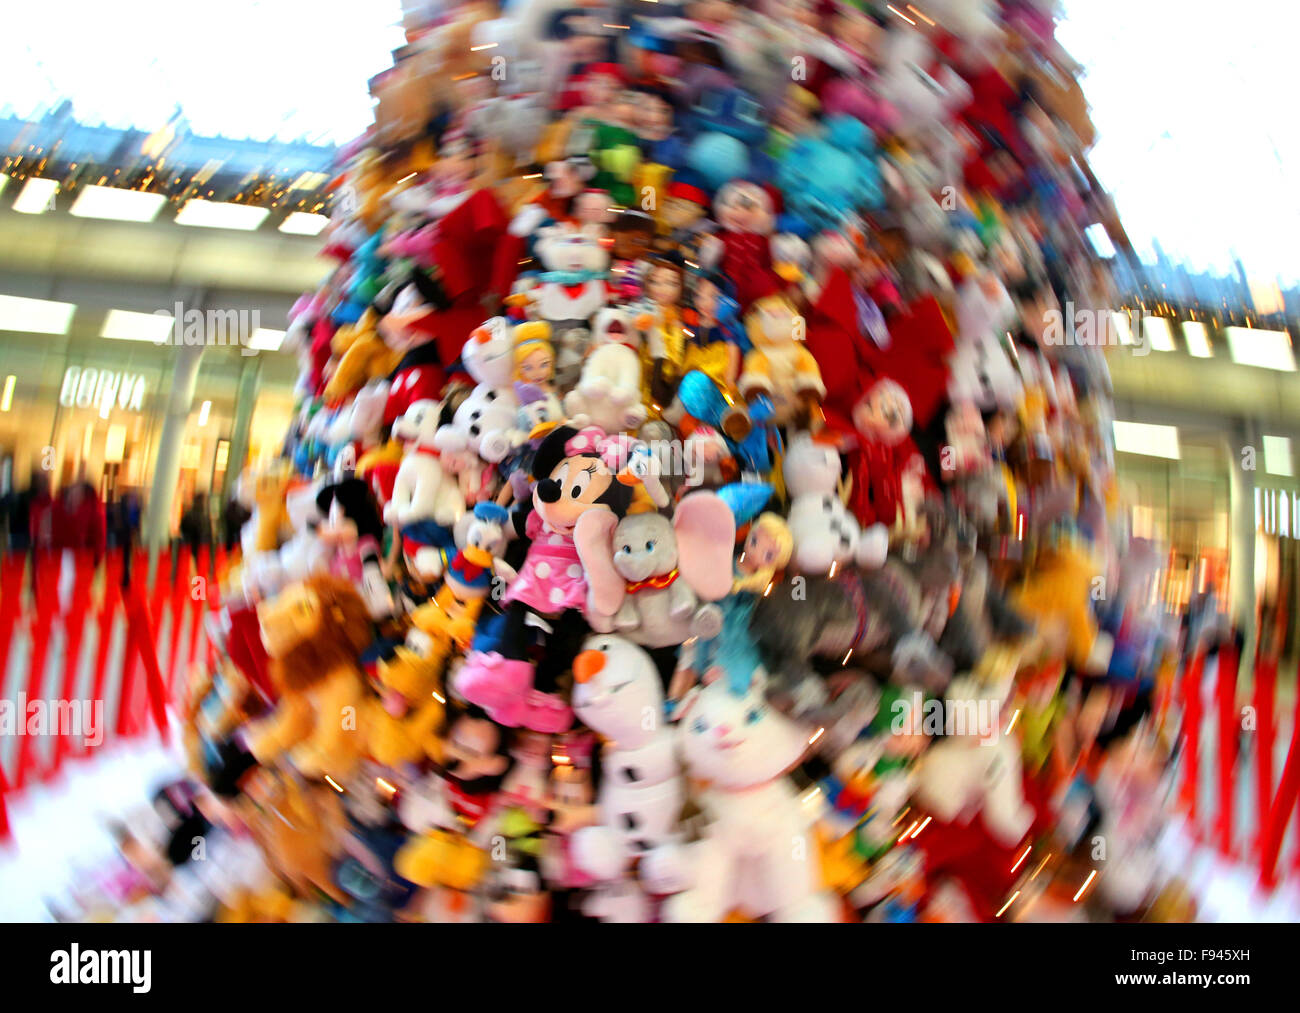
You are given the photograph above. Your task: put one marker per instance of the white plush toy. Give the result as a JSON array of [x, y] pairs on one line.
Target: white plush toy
[[758, 855], [924, 103], [617, 692], [826, 534], [608, 393], [572, 286], [489, 353], [484, 425], [357, 427], [422, 490], [979, 368], [977, 773], [265, 574]]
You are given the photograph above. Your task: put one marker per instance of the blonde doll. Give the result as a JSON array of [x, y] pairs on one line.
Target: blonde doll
[[535, 355], [767, 551]]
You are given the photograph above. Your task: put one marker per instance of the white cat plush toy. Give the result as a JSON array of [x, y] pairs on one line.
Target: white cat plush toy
[[617, 692], [826, 535], [759, 854], [422, 490]]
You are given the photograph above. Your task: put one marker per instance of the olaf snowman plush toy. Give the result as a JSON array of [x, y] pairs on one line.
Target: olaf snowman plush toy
[[825, 534], [617, 692], [484, 423], [489, 353]]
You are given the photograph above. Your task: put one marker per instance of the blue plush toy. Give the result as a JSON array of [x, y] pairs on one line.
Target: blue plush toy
[[826, 178], [728, 131]]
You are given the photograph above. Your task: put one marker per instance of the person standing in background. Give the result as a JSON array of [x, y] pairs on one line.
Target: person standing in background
[[40, 514], [79, 520], [235, 517], [196, 526]]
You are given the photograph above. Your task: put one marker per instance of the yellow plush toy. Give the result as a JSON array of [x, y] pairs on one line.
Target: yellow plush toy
[[1058, 594], [362, 355], [270, 519], [402, 725], [779, 365], [314, 632]]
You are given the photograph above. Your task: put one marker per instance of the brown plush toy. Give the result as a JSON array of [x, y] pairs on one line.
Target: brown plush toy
[[314, 632]]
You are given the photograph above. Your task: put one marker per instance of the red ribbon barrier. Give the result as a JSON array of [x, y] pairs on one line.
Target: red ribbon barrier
[[1228, 725], [6, 833], [126, 725], [142, 634], [12, 570], [211, 599], [47, 610], [106, 619], [1287, 791], [1265, 697], [1192, 737], [75, 622], [179, 595]]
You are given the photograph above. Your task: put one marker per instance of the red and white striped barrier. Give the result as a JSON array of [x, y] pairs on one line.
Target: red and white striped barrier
[[1263, 808], [130, 674]]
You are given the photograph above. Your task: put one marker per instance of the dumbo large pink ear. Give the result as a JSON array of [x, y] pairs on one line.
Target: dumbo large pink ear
[[706, 537], [593, 537]]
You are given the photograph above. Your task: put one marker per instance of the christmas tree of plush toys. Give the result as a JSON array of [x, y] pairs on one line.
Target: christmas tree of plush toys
[[686, 466]]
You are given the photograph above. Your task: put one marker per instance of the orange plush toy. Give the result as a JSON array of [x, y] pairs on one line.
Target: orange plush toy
[[1058, 595], [314, 632]]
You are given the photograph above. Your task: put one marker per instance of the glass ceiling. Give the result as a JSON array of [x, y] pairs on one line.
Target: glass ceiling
[[257, 69]]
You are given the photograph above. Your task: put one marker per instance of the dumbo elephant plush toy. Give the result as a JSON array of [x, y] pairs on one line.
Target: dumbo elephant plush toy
[[651, 579]]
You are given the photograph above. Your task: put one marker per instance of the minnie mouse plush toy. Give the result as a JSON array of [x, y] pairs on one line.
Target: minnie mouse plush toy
[[576, 471]]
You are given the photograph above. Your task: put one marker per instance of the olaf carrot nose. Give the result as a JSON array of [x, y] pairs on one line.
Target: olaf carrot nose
[[587, 665]]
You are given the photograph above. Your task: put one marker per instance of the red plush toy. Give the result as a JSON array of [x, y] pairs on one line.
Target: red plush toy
[[450, 291], [889, 474], [746, 213]]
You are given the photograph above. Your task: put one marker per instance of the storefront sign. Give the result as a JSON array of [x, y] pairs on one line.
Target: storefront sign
[[103, 389], [1277, 512]]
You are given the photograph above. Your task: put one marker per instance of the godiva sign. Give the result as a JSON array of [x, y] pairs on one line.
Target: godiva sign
[[102, 389], [1277, 512]]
